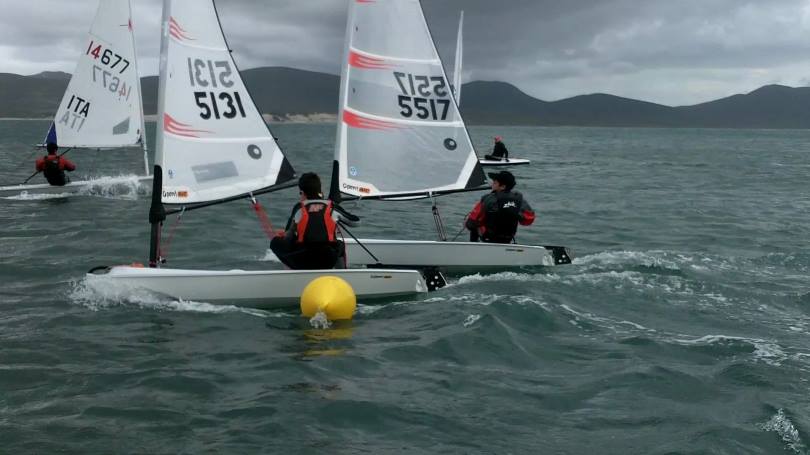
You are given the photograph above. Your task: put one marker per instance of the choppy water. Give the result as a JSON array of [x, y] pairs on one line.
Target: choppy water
[[682, 327]]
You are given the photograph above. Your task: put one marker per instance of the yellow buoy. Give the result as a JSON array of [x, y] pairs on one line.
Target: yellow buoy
[[330, 295]]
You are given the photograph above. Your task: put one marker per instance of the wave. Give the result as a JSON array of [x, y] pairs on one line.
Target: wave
[[99, 294], [763, 350]]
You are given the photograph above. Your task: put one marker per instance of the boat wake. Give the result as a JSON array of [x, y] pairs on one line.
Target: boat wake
[[128, 187], [98, 294]]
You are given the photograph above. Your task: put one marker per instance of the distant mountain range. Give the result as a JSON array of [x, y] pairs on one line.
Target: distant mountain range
[[285, 92]]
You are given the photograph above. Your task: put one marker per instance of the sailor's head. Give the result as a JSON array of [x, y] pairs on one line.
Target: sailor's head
[[498, 139], [51, 147], [310, 186], [502, 181]]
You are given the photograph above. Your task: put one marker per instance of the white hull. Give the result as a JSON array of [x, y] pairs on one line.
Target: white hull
[[258, 289], [452, 256], [509, 162], [76, 187]]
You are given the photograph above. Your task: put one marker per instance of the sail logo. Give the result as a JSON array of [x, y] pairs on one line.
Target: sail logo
[[510, 205], [179, 194]]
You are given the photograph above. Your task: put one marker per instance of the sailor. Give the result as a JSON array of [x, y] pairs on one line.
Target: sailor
[[499, 151], [309, 241], [496, 216], [54, 166]]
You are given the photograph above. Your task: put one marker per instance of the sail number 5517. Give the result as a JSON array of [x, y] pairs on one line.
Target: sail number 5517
[[423, 96]]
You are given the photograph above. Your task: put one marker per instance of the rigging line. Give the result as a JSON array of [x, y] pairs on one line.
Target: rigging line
[[463, 226], [343, 225], [264, 220], [437, 218], [163, 252], [37, 172]]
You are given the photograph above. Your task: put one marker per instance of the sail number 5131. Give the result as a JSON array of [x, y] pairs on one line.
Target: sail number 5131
[[424, 96]]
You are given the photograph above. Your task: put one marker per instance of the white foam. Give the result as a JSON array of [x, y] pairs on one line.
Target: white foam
[[320, 321], [781, 425], [655, 258], [764, 350], [471, 319], [269, 256], [99, 294], [114, 187]]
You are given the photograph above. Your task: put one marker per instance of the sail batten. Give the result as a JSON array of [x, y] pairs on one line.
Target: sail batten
[[214, 144], [400, 130]]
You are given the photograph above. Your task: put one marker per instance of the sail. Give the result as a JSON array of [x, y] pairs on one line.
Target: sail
[[212, 142], [400, 131], [459, 58], [102, 107]]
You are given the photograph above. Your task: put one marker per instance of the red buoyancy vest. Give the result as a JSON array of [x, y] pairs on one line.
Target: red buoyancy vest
[[316, 224]]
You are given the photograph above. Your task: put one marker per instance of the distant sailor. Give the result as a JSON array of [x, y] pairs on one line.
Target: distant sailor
[[496, 216], [499, 151], [54, 166], [309, 241]]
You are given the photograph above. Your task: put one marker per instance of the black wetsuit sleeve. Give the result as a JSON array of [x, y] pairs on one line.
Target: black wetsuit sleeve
[[292, 217]]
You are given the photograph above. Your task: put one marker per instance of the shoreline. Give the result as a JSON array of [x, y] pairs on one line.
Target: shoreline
[[320, 118]]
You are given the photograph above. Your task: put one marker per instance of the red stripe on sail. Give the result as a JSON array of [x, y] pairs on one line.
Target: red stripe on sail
[[177, 31], [366, 1], [361, 61], [356, 121], [170, 125]]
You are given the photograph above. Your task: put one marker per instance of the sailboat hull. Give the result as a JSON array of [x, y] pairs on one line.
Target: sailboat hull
[[257, 289], [509, 162], [453, 257], [71, 188]]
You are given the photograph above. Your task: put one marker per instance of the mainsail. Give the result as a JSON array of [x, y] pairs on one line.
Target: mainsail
[[400, 130], [102, 105], [212, 142]]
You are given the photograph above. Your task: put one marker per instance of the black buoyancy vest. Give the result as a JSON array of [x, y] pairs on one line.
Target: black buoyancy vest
[[502, 218], [316, 224], [53, 173]]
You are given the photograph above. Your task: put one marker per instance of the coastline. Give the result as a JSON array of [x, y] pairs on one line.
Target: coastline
[[270, 118]]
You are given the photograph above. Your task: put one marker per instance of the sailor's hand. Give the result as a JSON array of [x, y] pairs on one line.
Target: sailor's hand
[[280, 233]]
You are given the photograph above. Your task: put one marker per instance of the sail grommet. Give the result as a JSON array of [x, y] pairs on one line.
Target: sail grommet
[[254, 151]]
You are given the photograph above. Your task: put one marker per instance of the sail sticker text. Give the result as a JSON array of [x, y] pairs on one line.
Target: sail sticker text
[[426, 97], [214, 74], [76, 113], [107, 57], [111, 83]]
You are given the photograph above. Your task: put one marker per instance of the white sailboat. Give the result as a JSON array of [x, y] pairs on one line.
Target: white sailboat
[[457, 92], [401, 136], [102, 106], [212, 147]]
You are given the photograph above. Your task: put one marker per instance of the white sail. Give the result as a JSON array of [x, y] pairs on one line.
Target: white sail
[[459, 58], [400, 130], [212, 141], [102, 105]]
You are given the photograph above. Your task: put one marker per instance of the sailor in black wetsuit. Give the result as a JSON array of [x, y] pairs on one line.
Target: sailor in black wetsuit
[[496, 216], [309, 242], [499, 151]]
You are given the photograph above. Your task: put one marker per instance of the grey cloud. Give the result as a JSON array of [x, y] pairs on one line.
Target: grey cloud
[[672, 52]]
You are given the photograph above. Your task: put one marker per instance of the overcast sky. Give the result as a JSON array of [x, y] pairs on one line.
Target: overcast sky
[[672, 52]]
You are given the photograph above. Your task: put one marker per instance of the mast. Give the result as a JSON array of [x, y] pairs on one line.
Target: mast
[[459, 57], [157, 213], [144, 145], [334, 186]]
